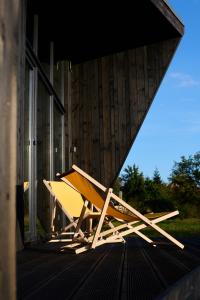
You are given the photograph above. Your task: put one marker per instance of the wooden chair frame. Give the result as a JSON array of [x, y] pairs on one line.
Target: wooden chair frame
[[72, 223], [116, 233], [78, 234]]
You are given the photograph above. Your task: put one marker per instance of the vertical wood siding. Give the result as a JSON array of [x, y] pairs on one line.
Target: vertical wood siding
[[110, 98]]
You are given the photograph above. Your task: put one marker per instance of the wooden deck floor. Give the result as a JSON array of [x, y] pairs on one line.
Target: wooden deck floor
[[134, 270]]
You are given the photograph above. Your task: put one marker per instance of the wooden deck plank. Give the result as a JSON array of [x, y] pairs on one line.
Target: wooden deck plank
[[135, 270]]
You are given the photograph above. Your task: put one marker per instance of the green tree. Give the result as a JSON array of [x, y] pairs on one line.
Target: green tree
[[185, 184], [189, 168], [156, 177], [117, 186], [158, 195], [133, 187]]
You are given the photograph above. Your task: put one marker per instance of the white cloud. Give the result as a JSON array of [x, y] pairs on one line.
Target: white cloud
[[184, 80]]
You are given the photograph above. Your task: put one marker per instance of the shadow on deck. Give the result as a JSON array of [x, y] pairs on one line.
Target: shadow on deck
[[134, 270]]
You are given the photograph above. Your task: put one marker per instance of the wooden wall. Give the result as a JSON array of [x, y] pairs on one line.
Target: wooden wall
[[9, 78], [110, 97]]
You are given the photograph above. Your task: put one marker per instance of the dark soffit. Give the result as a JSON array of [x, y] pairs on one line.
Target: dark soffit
[[88, 31]]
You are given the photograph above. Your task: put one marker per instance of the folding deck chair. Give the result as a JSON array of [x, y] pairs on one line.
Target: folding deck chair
[[72, 204], [26, 186], [88, 187]]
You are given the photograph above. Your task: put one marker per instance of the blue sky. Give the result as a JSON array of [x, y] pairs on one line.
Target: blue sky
[[172, 126]]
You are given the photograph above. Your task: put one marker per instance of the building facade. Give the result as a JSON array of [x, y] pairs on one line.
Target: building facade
[[76, 85]]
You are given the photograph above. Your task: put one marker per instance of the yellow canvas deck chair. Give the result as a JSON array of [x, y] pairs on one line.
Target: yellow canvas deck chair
[[72, 204], [88, 187], [26, 186]]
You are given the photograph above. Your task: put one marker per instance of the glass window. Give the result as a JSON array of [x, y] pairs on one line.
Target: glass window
[[57, 140], [26, 149], [57, 82], [43, 125], [44, 57], [43, 154]]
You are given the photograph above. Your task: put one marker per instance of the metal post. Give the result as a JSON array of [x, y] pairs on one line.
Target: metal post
[[69, 118], [51, 113], [63, 130], [52, 175], [63, 117], [33, 139]]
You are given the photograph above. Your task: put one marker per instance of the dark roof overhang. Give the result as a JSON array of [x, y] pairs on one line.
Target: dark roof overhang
[[86, 31]]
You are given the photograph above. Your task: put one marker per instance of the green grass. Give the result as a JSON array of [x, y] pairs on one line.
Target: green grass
[[177, 227]]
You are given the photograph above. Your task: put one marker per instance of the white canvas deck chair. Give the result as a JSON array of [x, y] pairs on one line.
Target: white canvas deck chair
[[72, 204], [88, 187]]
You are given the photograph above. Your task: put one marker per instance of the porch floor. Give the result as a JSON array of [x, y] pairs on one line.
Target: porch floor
[[134, 270]]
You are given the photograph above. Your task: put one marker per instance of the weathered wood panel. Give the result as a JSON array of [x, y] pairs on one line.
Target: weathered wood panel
[[110, 99], [169, 14], [9, 78]]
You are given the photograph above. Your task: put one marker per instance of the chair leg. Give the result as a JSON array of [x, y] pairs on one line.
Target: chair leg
[[101, 220], [80, 220], [53, 215], [153, 224], [116, 232], [148, 222]]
